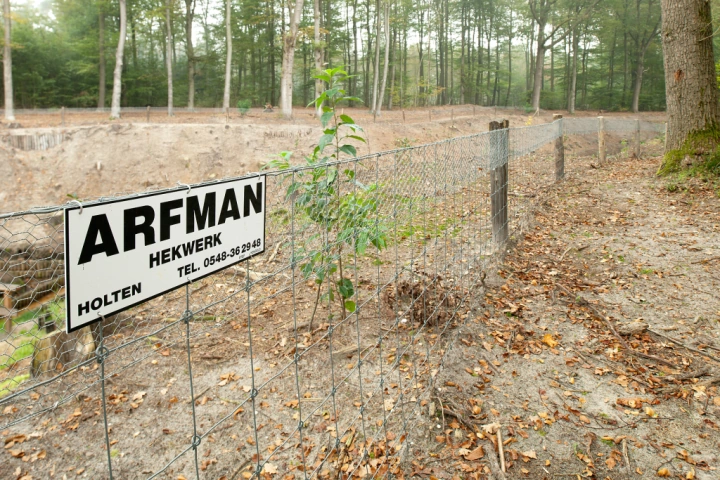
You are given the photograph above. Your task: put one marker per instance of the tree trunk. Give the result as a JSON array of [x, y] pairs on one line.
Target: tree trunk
[[690, 81], [638, 81], [376, 69], [7, 65], [168, 26], [189, 14], [318, 54], [101, 59], [538, 76], [573, 72], [289, 41], [117, 73], [228, 56], [387, 59], [510, 39]]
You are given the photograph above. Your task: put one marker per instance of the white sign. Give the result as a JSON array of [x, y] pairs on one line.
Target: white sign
[[124, 252]]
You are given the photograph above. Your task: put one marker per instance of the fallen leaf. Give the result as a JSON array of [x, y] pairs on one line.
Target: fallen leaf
[[663, 472], [269, 468], [549, 340], [476, 454]]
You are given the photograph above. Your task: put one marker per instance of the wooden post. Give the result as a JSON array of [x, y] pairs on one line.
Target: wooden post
[[147, 114], [559, 150], [601, 140], [430, 115], [637, 138], [62, 116], [499, 152], [403, 116], [473, 110], [452, 116]]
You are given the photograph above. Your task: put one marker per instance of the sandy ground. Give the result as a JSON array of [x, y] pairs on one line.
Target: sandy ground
[[545, 355], [103, 158]]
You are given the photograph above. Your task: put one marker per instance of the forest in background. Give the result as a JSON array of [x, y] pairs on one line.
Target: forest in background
[[437, 52]]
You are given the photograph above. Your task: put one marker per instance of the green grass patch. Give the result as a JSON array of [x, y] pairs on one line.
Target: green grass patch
[[21, 352], [7, 386]]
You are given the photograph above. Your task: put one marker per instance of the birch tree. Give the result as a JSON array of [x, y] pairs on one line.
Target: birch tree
[[318, 53], [189, 16], [117, 73], [387, 58], [7, 65], [288, 59], [168, 56], [101, 56], [228, 56]]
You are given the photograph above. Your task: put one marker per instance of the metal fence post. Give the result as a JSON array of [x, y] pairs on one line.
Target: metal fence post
[[559, 150], [601, 140], [499, 181], [637, 138]]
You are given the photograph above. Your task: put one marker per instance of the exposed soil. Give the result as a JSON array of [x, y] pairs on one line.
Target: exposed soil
[[103, 158], [535, 356]]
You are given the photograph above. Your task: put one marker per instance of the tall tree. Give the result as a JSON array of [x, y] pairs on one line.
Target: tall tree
[[168, 60], [7, 65], [228, 57], [189, 16], [289, 43], [317, 51], [378, 108], [101, 56], [648, 24], [117, 73], [690, 79]]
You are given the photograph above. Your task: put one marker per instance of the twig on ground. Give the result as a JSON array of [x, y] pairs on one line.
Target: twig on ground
[[687, 347], [501, 452], [617, 335]]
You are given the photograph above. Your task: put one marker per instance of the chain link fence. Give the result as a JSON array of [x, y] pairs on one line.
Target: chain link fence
[[313, 360]]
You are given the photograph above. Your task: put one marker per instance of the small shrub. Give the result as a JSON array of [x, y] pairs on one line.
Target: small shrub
[[244, 106]]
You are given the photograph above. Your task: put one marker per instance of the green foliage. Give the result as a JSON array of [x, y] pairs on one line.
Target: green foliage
[[244, 106], [702, 145], [343, 210]]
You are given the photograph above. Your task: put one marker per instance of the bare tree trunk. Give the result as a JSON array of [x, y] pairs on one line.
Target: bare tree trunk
[[189, 15], [376, 72], [538, 77], [690, 81], [117, 73], [289, 41], [228, 56], [638, 81], [168, 43], [387, 59], [7, 65], [318, 53], [101, 59], [573, 72]]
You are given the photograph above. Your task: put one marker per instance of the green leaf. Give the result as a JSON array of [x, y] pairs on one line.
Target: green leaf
[[351, 99], [349, 149], [325, 140], [346, 119], [346, 288], [350, 306], [326, 117], [355, 137]]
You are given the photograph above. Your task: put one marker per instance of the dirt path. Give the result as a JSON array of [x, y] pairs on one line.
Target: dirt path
[[570, 398]]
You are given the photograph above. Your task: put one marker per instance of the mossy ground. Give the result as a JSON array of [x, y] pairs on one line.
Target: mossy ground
[[703, 150]]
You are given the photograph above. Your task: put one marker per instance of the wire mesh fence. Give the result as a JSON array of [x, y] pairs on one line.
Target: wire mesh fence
[[313, 360]]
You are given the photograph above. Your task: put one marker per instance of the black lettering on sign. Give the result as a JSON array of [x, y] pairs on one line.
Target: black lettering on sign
[[204, 218], [166, 219], [99, 225], [132, 228], [252, 197], [229, 207]]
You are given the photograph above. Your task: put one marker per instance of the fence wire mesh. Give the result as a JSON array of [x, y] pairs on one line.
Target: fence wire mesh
[[313, 360]]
